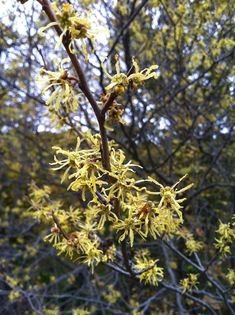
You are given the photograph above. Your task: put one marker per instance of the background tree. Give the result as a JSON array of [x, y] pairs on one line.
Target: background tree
[[181, 123]]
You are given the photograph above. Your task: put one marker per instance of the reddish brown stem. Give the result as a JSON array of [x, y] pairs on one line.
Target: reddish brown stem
[[105, 145], [66, 42], [100, 114], [109, 103], [84, 86], [59, 226]]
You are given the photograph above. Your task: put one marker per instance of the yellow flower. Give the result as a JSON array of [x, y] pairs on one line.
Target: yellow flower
[[112, 295], [79, 27], [193, 246], [40, 207], [53, 310], [231, 276], [226, 233], [103, 212], [120, 81], [128, 227], [110, 254], [144, 210], [188, 283], [63, 95], [165, 223], [168, 196], [54, 237], [150, 273], [138, 77], [80, 311], [14, 295], [83, 166], [122, 175], [39, 194], [77, 233], [92, 255]]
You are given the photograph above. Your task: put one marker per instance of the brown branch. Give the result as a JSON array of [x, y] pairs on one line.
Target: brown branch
[[118, 269], [191, 297], [100, 115], [66, 42], [108, 103], [105, 145], [59, 226], [125, 258], [83, 86]]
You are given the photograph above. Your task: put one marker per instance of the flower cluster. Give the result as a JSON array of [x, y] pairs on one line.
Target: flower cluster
[[192, 245], [139, 215], [40, 207], [73, 233], [59, 82], [80, 311], [116, 201], [121, 81], [144, 217], [111, 295], [226, 236], [78, 27], [169, 215], [84, 167], [231, 276], [114, 113], [147, 268], [189, 283]]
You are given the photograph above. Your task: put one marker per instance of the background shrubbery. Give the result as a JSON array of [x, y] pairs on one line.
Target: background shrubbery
[[183, 122]]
